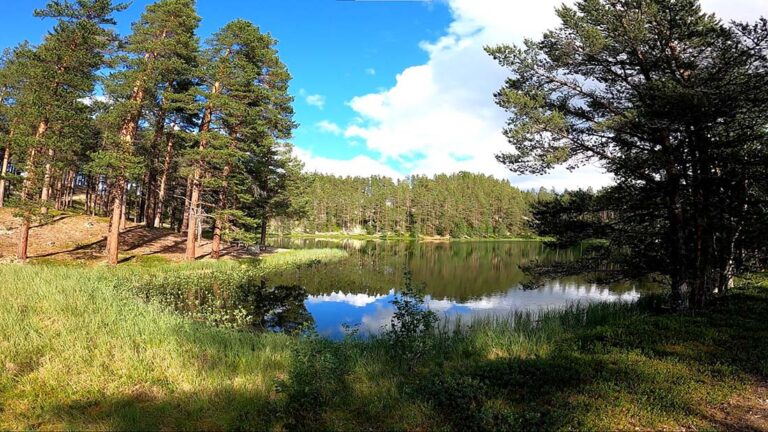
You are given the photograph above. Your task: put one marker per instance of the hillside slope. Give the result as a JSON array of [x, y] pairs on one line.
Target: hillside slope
[[79, 237]]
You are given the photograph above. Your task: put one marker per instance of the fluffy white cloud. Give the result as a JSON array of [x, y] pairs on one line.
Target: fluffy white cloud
[[357, 166], [737, 10], [329, 127], [315, 100], [440, 117], [357, 300]]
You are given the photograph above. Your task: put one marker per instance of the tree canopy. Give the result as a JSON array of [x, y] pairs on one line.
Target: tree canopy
[[662, 96]]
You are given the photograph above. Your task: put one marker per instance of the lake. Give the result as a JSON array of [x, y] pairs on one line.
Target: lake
[[462, 280]]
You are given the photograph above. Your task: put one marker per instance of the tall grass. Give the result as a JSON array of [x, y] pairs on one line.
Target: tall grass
[[80, 351]]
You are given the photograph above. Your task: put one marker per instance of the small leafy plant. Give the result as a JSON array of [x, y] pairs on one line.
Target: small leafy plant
[[413, 325]]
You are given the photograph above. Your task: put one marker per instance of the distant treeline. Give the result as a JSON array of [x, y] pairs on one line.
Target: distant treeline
[[457, 205]]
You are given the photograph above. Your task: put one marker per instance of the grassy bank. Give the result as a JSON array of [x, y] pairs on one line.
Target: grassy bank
[[79, 351]]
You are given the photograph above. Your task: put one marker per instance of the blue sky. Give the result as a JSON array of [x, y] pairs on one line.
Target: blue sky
[[389, 87]]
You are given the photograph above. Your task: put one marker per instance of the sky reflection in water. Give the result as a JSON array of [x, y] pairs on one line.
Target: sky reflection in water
[[461, 279], [372, 313]]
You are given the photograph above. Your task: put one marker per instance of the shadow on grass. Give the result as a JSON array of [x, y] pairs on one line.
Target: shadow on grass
[[145, 410], [618, 372]]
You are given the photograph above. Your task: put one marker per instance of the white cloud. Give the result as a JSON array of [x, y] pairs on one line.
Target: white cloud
[[357, 300], [315, 100], [329, 127], [97, 98], [440, 117], [370, 71], [358, 166], [736, 10]]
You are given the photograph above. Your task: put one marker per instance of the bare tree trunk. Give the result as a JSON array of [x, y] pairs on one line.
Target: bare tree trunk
[[187, 200], [4, 170], [164, 180], [263, 239], [42, 127], [216, 245], [23, 240], [113, 237], [194, 203], [46, 194]]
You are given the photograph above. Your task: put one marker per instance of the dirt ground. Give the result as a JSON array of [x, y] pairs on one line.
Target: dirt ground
[[747, 411], [78, 237]]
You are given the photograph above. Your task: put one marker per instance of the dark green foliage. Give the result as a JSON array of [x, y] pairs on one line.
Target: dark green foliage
[[457, 205], [571, 217], [248, 163], [662, 96]]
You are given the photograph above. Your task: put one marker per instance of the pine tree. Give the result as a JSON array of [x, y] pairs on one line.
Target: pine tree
[[246, 114], [663, 96], [61, 76], [14, 73], [160, 49]]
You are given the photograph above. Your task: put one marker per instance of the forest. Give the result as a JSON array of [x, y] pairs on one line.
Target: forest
[[155, 128], [458, 205]]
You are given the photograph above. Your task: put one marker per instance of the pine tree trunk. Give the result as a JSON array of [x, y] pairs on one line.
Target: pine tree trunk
[[187, 200], [124, 209], [140, 206], [4, 171], [23, 240], [263, 238], [88, 195], [216, 245], [113, 238], [127, 134], [194, 203], [58, 193], [46, 193], [71, 189], [42, 127], [145, 200], [150, 205], [163, 180]]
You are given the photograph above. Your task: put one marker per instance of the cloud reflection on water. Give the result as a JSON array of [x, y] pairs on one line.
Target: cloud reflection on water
[[372, 313]]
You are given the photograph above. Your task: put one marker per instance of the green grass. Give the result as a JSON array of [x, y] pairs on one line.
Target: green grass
[[79, 351]]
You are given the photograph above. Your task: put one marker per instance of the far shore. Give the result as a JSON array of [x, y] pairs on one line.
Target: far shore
[[421, 239]]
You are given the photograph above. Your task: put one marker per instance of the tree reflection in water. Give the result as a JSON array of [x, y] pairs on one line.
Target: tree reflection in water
[[282, 308]]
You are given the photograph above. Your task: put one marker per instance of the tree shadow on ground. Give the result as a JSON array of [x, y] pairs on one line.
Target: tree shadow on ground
[[647, 371], [131, 238], [146, 409], [644, 371]]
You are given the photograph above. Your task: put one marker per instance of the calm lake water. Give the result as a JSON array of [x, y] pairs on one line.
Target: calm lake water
[[461, 279]]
